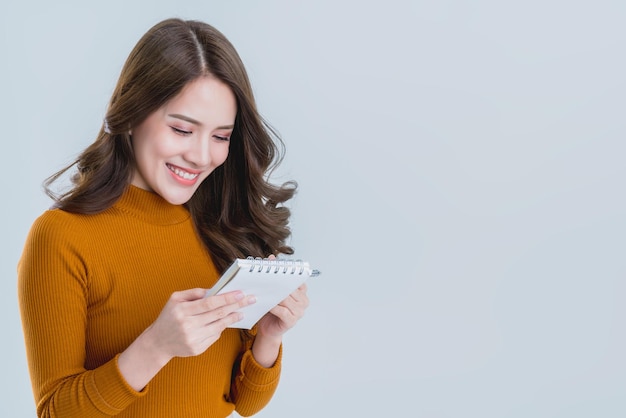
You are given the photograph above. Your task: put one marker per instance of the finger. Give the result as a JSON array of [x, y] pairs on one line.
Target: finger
[[188, 295], [299, 294], [218, 320], [300, 298], [224, 310], [211, 322], [281, 311], [227, 298], [212, 331], [285, 315], [210, 303], [297, 308]]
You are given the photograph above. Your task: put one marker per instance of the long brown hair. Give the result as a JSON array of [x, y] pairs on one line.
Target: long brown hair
[[236, 210]]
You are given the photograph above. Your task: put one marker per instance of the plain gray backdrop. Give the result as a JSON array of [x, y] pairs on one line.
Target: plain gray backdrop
[[461, 171]]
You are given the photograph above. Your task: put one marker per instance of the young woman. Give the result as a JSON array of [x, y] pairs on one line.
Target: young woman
[[112, 279]]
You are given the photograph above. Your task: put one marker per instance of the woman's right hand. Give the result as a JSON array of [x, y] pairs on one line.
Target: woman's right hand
[[188, 324]]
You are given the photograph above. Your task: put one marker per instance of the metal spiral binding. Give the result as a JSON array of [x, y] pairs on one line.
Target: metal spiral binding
[[285, 266]]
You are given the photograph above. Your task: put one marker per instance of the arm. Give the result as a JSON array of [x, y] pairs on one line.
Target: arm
[[188, 325], [259, 371], [253, 384], [54, 295], [53, 289]]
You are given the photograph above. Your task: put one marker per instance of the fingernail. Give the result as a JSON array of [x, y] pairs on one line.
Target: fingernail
[[239, 295], [239, 316], [251, 300]]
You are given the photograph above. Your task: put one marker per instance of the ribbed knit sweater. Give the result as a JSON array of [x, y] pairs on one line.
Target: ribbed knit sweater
[[90, 284]]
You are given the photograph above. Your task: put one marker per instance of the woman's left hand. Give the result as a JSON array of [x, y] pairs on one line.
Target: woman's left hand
[[285, 315], [272, 326]]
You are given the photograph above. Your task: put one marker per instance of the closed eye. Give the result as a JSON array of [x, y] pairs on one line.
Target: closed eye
[[180, 131], [221, 138]]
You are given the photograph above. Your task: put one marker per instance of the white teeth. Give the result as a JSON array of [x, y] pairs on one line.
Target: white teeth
[[181, 173]]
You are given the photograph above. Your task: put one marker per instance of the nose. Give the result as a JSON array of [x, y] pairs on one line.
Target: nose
[[199, 152]]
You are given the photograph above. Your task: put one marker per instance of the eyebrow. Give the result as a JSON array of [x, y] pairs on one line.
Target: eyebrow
[[195, 122]]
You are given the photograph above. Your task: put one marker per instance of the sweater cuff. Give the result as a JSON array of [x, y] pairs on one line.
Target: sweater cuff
[[257, 377], [108, 390]]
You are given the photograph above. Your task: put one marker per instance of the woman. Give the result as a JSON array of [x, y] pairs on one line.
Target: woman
[[112, 279]]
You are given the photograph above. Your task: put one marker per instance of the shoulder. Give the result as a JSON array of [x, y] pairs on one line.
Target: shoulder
[[60, 229], [55, 243], [56, 222]]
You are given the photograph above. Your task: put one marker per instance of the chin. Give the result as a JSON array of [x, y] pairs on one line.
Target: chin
[[177, 198]]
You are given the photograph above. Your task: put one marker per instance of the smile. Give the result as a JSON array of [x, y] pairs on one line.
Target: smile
[[182, 173]]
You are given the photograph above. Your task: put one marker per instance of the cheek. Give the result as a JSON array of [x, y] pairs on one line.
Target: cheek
[[141, 149], [165, 148], [220, 155], [154, 149], [145, 145]]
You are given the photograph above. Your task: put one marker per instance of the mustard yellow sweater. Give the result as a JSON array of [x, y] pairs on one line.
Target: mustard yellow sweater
[[90, 284]]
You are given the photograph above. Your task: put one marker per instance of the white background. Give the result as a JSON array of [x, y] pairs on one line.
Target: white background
[[461, 171]]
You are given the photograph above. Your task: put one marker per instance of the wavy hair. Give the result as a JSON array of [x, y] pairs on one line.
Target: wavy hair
[[236, 210]]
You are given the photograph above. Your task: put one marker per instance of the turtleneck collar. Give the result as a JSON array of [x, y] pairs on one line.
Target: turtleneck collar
[[150, 207]]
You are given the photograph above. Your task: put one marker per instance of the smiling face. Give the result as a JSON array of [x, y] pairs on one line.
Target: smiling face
[[181, 143]]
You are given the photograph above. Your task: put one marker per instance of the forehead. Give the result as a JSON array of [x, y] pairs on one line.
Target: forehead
[[206, 100]]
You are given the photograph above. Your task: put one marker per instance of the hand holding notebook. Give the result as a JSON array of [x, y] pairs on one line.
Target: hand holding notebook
[[269, 280]]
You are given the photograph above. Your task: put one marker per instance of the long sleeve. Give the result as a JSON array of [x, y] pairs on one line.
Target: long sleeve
[[253, 385], [89, 285], [53, 297]]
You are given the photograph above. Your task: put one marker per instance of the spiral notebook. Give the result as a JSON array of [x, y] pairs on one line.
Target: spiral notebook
[[269, 280]]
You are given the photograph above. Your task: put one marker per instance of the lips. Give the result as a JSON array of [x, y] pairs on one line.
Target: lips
[[182, 173]]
